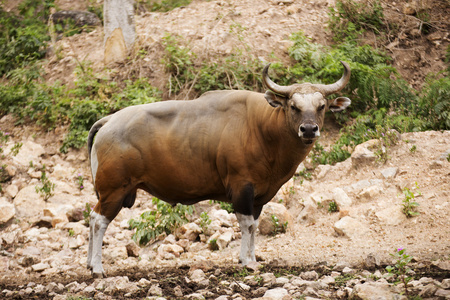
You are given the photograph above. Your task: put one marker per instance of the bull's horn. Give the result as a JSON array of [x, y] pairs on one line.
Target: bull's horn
[[277, 89], [328, 89]]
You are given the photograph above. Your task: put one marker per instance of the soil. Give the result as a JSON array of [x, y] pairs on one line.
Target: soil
[[312, 245]]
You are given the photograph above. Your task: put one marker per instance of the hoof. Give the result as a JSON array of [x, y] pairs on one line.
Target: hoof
[[98, 275]]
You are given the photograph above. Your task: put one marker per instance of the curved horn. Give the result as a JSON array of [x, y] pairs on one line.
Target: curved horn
[[328, 89], [277, 89]]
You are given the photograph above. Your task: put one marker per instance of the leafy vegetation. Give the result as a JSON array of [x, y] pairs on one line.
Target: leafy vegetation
[[165, 219], [409, 204]]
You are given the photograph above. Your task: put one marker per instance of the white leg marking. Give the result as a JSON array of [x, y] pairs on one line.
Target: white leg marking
[[100, 224], [91, 239], [248, 228]]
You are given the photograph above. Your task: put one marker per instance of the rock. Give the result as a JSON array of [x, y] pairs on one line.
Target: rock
[[12, 190], [277, 293], [132, 249], [268, 279], [389, 173], [7, 211], [224, 239], [372, 291], [362, 156], [169, 251], [266, 223], [188, 231], [445, 294], [310, 275], [371, 261], [369, 193], [309, 212], [30, 151], [428, 291], [350, 227], [392, 215], [322, 171], [40, 267], [155, 290], [341, 198], [198, 275], [28, 203], [223, 217]]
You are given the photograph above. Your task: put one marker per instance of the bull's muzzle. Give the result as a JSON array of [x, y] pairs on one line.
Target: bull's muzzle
[[308, 132]]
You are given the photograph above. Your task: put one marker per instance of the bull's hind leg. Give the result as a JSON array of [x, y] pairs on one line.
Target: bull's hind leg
[[98, 225], [104, 212]]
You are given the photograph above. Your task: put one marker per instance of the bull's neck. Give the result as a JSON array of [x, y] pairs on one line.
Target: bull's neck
[[285, 148]]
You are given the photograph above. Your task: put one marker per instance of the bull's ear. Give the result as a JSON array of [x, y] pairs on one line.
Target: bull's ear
[[274, 100], [339, 104]]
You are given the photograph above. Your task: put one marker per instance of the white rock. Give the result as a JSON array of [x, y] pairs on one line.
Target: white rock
[[30, 151], [350, 227], [7, 211], [223, 217], [341, 198], [266, 225], [225, 238], [12, 190], [362, 155], [372, 291], [198, 275], [392, 215], [188, 231], [277, 293], [389, 173], [28, 203], [40, 267], [370, 193]]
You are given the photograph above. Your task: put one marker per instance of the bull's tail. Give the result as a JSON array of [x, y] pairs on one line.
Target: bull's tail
[[94, 129]]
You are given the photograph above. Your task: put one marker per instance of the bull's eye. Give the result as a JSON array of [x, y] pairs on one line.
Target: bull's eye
[[322, 107], [295, 108]]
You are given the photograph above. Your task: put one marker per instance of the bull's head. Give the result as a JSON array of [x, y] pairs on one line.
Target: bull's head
[[305, 104]]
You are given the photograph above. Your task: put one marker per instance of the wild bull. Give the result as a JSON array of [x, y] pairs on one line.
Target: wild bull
[[229, 146]]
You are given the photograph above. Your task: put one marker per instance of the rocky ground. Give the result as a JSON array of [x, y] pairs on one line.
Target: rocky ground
[[322, 255], [325, 255]]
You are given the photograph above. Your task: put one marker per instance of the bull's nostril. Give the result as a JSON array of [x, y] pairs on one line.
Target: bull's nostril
[[302, 128], [315, 128]]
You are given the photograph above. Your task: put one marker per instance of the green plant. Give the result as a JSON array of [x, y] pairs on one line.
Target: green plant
[[409, 203], [16, 148], [434, 103], [71, 232], [23, 37], [277, 226], [226, 206], [204, 221], [413, 149], [47, 188], [213, 244], [87, 213], [165, 219], [342, 279], [332, 207], [400, 270], [80, 181], [349, 19]]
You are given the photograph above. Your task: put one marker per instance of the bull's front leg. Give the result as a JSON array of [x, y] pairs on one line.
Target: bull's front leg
[[248, 226], [247, 215]]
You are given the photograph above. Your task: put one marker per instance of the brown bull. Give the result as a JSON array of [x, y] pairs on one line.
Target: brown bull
[[226, 145]]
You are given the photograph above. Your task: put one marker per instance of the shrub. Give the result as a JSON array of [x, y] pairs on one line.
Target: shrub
[[165, 219]]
